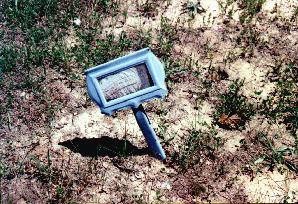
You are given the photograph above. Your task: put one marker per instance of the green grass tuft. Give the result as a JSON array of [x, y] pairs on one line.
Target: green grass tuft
[[198, 146], [234, 103], [276, 156], [26, 13], [283, 104], [8, 59], [250, 9]]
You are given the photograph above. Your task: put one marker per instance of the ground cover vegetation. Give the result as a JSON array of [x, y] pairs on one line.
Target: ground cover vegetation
[[231, 116]]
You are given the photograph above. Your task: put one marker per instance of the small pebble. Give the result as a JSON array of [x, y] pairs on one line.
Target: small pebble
[[77, 21]]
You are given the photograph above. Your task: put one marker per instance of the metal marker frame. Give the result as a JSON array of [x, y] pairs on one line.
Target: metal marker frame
[[133, 100]]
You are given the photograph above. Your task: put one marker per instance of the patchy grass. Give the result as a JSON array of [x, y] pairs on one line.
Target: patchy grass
[[8, 60], [108, 6], [3, 170], [26, 14], [149, 8], [295, 14], [199, 145], [285, 97], [233, 110], [250, 40], [193, 8], [224, 6], [142, 39], [282, 106], [167, 35], [47, 44], [250, 9], [274, 157]]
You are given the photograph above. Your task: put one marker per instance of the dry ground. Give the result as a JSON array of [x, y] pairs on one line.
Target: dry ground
[[57, 147]]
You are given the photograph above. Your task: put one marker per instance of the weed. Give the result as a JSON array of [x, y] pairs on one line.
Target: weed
[[10, 99], [158, 196], [108, 6], [105, 48], [59, 192], [8, 59], [224, 5], [174, 69], [250, 9], [283, 104], [33, 18], [295, 14], [163, 126], [193, 8], [33, 57], [38, 36], [231, 13], [26, 13], [166, 38], [149, 8], [3, 170], [43, 169], [5, 107], [275, 156], [59, 57], [233, 110], [110, 47], [250, 39], [198, 146], [142, 39]]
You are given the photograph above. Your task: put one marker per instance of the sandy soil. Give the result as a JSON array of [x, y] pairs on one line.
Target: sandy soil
[[140, 177]]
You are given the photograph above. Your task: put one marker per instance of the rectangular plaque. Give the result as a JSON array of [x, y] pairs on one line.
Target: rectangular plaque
[[125, 82]]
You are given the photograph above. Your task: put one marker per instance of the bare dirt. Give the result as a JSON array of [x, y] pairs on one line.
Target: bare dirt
[[100, 177]]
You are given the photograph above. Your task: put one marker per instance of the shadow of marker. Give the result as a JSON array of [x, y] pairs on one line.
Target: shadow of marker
[[104, 146]]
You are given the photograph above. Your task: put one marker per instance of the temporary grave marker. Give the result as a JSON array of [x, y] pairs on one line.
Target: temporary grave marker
[[127, 82]]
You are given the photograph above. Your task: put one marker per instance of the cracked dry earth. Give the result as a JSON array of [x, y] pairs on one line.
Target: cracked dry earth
[[89, 175]]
